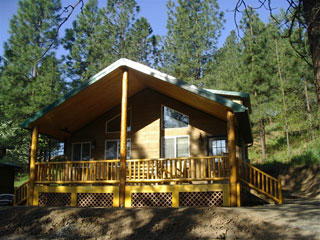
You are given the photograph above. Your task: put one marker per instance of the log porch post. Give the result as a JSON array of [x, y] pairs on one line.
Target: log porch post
[[33, 159], [232, 158], [123, 138]]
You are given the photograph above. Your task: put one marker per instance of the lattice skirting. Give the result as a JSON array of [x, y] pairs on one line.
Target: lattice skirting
[[54, 199], [151, 199], [201, 199], [95, 199]]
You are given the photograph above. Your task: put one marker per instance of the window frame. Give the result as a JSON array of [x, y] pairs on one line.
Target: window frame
[[162, 118], [72, 155], [222, 137], [130, 113], [118, 142], [175, 144]]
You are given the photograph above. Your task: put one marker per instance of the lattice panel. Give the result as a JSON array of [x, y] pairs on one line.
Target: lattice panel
[[201, 199], [95, 199], [151, 199], [54, 199]]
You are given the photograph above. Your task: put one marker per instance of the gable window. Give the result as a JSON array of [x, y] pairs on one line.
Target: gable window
[[175, 147], [174, 119], [81, 151], [217, 146], [112, 149], [113, 125]]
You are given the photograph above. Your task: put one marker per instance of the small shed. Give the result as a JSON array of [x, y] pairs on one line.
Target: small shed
[[7, 173]]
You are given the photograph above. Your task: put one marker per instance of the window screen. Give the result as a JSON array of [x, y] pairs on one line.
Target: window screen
[[182, 146], [174, 147], [81, 151], [174, 119], [112, 150], [169, 148], [77, 151]]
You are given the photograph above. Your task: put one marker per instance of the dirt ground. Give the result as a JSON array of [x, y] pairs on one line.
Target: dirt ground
[[297, 218]]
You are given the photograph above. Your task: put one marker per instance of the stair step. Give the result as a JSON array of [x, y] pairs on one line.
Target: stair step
[[262, 196]]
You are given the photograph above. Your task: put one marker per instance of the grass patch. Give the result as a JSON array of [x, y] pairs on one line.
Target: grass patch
[[20, 179]]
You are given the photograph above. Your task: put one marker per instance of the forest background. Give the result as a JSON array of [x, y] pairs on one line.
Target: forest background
[[272, 59]]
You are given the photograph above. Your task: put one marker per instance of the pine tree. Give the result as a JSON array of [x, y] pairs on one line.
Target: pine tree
[[101, 36], [225, 68], [87, 44], [193, 30], [256, 71], [28, 80]]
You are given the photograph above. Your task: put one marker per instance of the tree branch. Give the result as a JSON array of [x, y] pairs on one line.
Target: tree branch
[[66, 10]]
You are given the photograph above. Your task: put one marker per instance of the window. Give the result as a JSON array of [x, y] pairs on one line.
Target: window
[[174, 119], [217, 146], [81, 151], [114, 124], [112, 149], [174, 147]]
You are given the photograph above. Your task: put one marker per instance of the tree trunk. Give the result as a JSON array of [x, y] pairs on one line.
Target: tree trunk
[[309, 110], [263, 139], [283, 99], [312, 17]]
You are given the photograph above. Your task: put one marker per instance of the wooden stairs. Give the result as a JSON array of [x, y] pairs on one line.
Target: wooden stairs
[[261, 184], [21, 194]]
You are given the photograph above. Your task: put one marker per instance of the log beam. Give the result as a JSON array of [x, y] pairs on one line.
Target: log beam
[[33, 159], [232, 158], [123, 138]]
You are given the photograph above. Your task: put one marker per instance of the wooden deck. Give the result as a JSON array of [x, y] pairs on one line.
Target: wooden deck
[[207, 174]]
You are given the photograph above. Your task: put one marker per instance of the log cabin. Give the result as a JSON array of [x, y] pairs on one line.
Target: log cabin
[[136, 137]]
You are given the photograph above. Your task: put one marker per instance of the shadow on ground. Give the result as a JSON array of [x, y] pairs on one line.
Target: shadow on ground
[[160, 223]]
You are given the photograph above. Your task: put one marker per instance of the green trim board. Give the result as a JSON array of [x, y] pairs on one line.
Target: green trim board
[[229, 93]]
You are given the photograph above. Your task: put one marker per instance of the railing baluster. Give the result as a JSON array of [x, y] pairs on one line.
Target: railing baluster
[[224, 167], [219, 167]]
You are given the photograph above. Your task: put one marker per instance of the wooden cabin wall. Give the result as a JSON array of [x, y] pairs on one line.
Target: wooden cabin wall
[[146, 131]]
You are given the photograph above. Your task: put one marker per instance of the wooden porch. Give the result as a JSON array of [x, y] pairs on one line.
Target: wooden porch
[[208, 175]]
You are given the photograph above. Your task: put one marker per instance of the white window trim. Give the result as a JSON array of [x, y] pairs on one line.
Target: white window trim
[[128, 111], [162, 118], [80, 151], [175, 144], [118, 141]]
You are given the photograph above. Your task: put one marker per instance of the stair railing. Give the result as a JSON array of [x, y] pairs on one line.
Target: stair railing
[[21, 193], [260, 181]]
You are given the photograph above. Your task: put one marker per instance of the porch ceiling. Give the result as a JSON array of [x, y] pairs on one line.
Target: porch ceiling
[[103, 92]]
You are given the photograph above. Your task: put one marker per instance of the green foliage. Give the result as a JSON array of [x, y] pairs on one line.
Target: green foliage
[[102, 36], [251, 65], [193, 30], [28, 81]]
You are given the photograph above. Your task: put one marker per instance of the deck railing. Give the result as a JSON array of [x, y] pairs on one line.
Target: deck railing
[[177, 169], [102, 171], [261, 181], [138, 170], [21, 194]]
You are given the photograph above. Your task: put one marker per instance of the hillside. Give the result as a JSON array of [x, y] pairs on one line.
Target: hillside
[[303, 151]]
